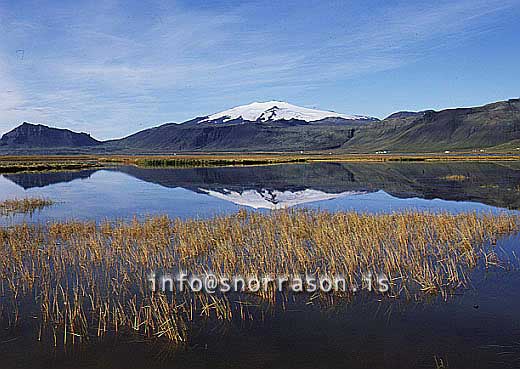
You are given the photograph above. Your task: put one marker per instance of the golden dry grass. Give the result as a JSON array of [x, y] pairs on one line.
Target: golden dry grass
[[12, 164], [89, 280], [44, 163], [208, 159]]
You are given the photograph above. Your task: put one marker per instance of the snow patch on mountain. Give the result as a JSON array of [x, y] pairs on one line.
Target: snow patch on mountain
[[278, 110], [274, 199]]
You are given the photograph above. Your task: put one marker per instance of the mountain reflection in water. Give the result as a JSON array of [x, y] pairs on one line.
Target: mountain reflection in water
[[127, 190], [273, 199]]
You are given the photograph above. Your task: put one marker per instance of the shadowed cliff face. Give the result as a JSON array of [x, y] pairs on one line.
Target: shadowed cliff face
[[496, 184]]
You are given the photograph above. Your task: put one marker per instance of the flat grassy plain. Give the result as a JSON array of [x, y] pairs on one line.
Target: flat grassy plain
[[14, 164], [74, 282], [17, 164]]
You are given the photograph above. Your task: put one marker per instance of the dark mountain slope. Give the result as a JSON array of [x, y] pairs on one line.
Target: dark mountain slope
[[466, 128], [242, 136], [40, 136]]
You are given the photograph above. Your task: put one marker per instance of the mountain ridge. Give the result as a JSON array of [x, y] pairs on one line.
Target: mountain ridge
[[39, 135], [490, 125], [278, 127]]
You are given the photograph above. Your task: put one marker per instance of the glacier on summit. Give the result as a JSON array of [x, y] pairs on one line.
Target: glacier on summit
[[277, 110]]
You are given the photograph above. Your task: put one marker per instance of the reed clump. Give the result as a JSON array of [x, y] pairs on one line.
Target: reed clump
[[78, 281], [23, 206]]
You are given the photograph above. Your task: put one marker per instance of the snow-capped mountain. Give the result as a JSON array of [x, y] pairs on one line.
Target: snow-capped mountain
[[273, 199], [278, 110]]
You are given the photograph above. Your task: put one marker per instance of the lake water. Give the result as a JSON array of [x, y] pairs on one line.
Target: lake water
[[476, 330], [125, 192]]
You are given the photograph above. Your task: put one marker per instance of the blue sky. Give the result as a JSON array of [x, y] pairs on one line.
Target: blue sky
[[111, 68]]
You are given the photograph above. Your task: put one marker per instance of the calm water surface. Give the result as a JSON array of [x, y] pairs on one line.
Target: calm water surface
[[478, 329], [126, 192]]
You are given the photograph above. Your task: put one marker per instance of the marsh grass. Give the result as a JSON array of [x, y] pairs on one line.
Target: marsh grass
[[74, 282], [18, 167], [37, 163], [240, 159], [23, 206]]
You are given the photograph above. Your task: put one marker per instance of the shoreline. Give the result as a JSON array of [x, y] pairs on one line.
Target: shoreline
[[37, 163]]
